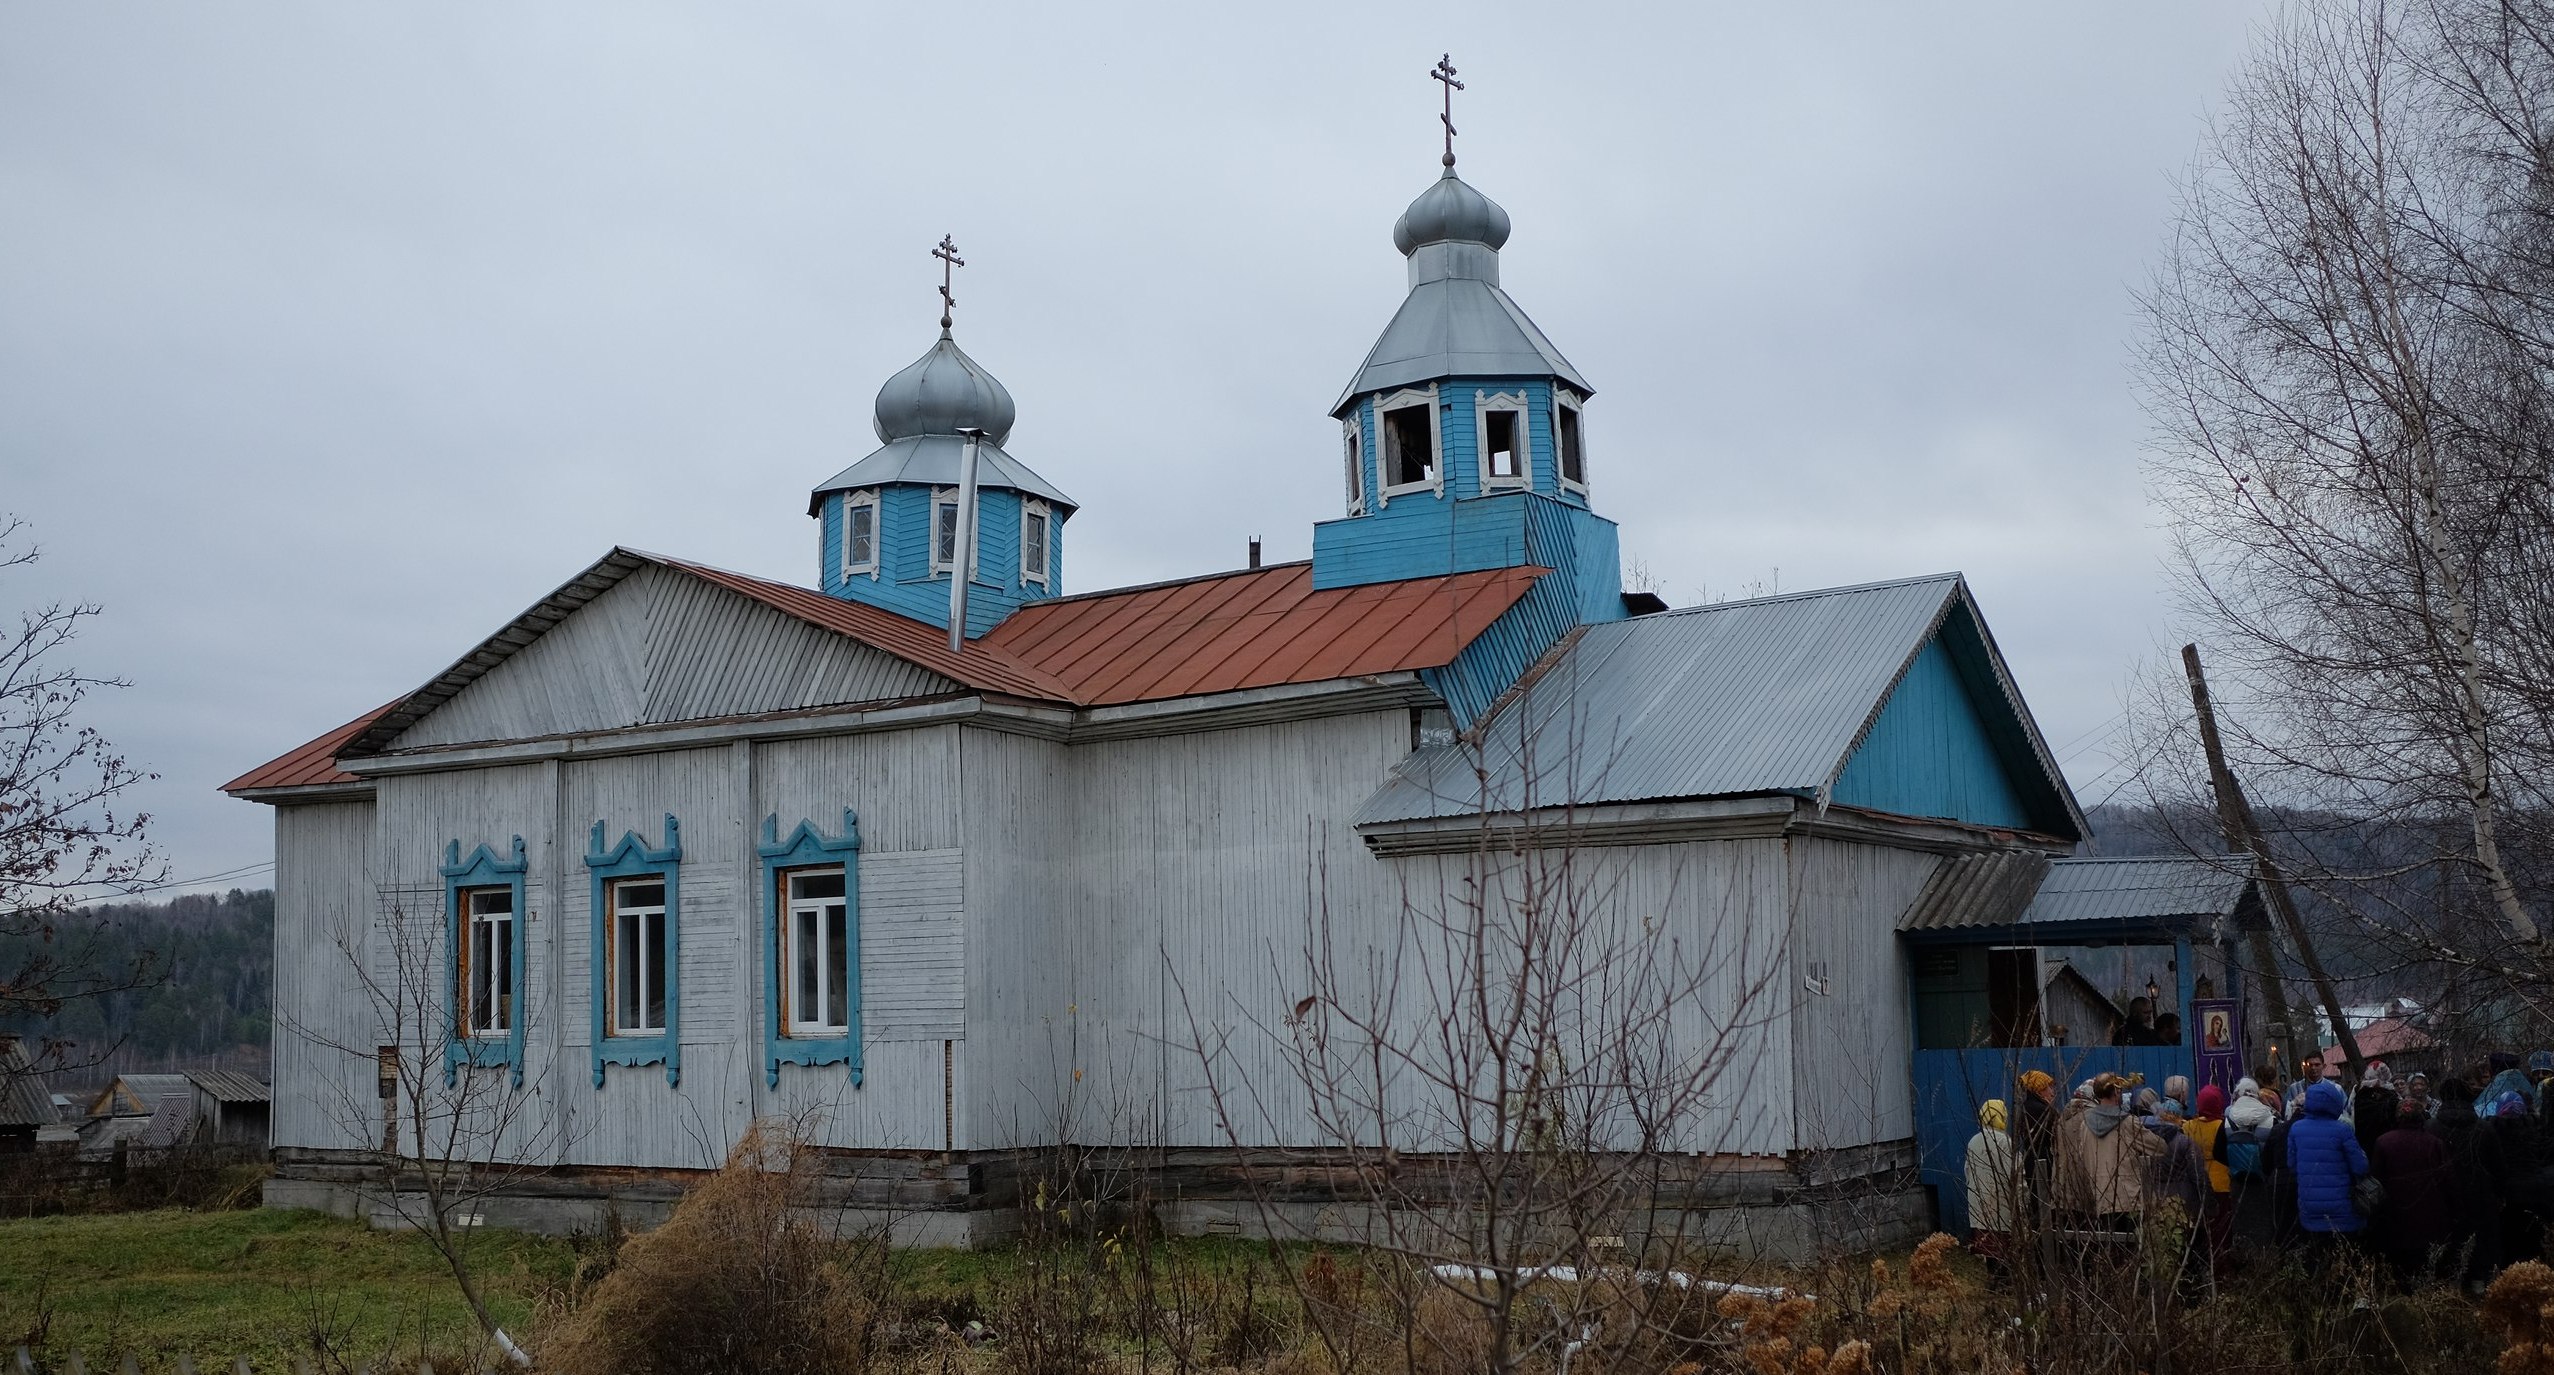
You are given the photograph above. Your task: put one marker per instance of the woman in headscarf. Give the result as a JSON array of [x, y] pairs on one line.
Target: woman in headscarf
[[2207, 1131], [1992, 1177], [2035, 1133]]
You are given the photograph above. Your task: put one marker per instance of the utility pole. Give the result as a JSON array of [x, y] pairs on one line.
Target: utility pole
[[2243, 830]]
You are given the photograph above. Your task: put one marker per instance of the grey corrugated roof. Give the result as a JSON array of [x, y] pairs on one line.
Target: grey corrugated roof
[[232, 1086], [1457, 327], [23, 1100], [1991, 888], [142, 1093], [933, 459], [2138, 889], [1753, 697]]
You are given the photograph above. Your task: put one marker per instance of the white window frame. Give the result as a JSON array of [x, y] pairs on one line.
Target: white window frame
[[490, 1018], [1563, 401], [1514, 403], [862, 500], [1352, 451], [794, 907], [1038, 511], [1386, 488], [634, 919], [948, 496]]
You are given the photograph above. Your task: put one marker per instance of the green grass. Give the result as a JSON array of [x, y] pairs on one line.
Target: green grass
[[216, 1285]]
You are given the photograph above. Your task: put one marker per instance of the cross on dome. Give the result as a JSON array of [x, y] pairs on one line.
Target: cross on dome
[[1444, 72], [947, 253]]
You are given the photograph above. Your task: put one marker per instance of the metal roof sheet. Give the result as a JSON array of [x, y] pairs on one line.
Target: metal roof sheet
[[233, 1086], [1990, 888], [1763, 696], [23, 1100], [2138, 888], [1262, 627], [1457, 327], [933, 459], [1227, 632], [134, 1095]]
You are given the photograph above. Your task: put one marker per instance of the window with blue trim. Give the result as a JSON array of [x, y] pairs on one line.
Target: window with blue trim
[[638, 951], [484, 920], [811, 946]]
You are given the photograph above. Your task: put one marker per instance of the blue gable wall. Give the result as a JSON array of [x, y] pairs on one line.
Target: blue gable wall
[[1930, 753]]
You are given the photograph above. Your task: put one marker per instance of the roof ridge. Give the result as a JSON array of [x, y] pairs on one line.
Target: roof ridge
[[1158, 586], [1806, 593]]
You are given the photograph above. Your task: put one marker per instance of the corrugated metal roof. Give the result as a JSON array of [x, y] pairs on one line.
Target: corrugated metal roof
[[23, 1099], [133, 1095], [1763, 696], [1227, 632], [232, 1086], [1991, 888], [2139, 888], [1263, 627]]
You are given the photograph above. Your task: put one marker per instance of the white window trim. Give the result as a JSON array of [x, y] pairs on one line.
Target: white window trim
[[793, 1024], [1034, 509], [867, 498], [1414, 396], [1516, 403], [612, 891], [1352, 456], [500, 948], [975, 556], [1562, 401]]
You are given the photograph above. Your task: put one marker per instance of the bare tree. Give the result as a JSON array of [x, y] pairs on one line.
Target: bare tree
[[63, 842], [1513, 1077], [449, 1133], [2351, 362]]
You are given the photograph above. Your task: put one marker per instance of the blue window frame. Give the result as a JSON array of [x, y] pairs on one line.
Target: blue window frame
[[484, 920], [638, 966], [811, 946]]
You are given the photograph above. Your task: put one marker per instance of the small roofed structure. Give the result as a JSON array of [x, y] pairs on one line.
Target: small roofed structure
[[25, 1108], [139, 1095], [233, 1109]]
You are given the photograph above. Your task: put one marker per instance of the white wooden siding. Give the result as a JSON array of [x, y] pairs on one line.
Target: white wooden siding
[[324, 1085], [1856, 1041], [662, 646]]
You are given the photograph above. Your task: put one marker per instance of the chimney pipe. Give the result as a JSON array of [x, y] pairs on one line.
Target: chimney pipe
[[1254, 551]]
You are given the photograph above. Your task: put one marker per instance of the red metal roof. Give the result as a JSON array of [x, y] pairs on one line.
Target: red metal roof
[[311, 765], [1263, 627]]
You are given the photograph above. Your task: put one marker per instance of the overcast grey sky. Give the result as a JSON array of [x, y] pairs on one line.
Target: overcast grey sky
[[332, 336]]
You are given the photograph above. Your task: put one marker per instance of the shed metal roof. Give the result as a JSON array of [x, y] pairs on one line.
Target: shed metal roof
[[2100, 888], [136, 1095], [232, 1086], [23, 1099], [1227, 632], [1998, 896], [1741, 698]]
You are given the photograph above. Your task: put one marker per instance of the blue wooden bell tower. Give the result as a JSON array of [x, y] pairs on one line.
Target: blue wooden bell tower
[[1463, 435]]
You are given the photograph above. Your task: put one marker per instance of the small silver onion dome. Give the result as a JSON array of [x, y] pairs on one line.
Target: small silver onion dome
[[943, 392], [1450, 211]]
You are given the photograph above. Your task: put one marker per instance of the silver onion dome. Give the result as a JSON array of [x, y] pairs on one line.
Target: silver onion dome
[[943, 392], [1450, 212]]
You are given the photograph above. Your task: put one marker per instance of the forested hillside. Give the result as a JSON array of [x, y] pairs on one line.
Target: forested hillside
[[208, 966]]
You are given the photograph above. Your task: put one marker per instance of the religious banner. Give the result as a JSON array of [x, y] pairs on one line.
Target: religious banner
[[2217, 1041]]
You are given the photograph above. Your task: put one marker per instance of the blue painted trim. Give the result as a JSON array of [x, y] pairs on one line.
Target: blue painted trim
[[804, 847], [633, 859], [482, 870]]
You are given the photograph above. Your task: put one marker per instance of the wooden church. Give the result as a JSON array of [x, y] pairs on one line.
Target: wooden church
[[683, 849]]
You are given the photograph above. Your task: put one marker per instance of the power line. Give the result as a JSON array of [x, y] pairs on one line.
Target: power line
[[226, 875]]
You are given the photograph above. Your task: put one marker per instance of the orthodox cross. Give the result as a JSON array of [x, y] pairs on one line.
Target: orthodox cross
[[947, 253], [1445, 72]]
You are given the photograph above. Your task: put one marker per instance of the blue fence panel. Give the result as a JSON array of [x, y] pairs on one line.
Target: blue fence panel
[[1951, 1084]]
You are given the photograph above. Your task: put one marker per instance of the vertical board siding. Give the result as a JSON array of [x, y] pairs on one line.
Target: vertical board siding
[[912, 947], [1024, 880], [1929, 754], [1856, 1040], [663, 646], [323, 1019]]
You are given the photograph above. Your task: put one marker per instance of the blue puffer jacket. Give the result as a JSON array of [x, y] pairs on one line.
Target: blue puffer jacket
[[2324, 1152]]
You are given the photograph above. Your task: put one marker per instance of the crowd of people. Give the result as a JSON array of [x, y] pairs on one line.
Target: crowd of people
[[2444, 1181]]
